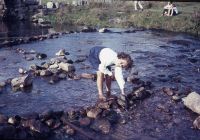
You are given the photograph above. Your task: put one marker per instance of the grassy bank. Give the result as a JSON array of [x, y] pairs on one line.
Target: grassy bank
[[122, 14]]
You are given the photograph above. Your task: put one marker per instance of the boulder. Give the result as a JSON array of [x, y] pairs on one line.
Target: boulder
[[69, 130], [94, 112], [39, 127], [41, 55], [104, 30], [22, 81], [22, 71], [45, 73], [61, 52], [66, 67], [14, 120], [196, 123], [101, 125], [35, 67], [192, 101], [2, 84], [54, 66], [88, 29], [62, 76]]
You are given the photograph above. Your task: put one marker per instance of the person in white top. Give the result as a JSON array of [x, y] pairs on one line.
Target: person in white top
[[102, 59]]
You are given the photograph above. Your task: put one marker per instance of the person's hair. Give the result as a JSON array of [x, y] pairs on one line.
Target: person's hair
[[126, 57]]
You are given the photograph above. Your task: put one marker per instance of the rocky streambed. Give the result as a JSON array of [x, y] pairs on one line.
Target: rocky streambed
[[48, 89]]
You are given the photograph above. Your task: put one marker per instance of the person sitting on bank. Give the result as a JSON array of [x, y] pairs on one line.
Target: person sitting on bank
[[170, 9], [102, 58]]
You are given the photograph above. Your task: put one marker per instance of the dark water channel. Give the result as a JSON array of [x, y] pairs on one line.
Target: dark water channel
[[158, 58]]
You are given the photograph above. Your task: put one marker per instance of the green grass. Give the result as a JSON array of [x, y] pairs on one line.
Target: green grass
[[122, 14]]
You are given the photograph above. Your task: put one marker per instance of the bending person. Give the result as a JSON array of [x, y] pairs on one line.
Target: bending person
[[102, 59]]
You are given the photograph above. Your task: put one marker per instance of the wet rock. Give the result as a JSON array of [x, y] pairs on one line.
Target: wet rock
[[22, 71], [101, 125], [54, 66], [35, 67], [61, 52], [168, 91], [66, 67], [70, 61], [2, 84], [55, 71], [139, 94], [14, 120], [45, 73], [94, 112], [39, 127], [176, 98], [88, 29], [64, 118], [3, 119], [104, 105], [69, 130], [56, 124], [41, 56], [104, 30], [59, 59], [122, 101], [84, 121], [62, 76], [111, 116], [73, 115], [45, 65], [22, 81], [196, 123], [192, 101], [54, 79], [50, 122]]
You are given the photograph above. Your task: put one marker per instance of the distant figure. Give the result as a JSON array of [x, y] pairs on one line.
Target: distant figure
[[51, 5], [138, 3], [170, 9]]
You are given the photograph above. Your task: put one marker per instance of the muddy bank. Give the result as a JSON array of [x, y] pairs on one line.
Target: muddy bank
[[170, 62]]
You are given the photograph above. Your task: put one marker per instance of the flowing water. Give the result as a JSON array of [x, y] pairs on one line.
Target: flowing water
[[157, 58]]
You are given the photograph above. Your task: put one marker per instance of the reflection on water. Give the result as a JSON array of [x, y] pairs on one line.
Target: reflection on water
[[12, 30]]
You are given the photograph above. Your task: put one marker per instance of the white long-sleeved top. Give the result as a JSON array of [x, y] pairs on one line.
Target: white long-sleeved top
[[109, 57]]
